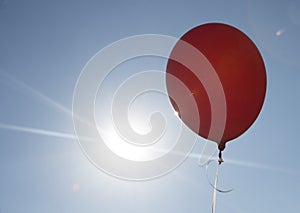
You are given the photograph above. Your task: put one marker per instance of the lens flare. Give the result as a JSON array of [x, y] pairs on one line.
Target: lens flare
[[280, 32]]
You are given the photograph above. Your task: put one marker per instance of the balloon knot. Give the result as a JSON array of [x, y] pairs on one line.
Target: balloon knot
[[220, 160]]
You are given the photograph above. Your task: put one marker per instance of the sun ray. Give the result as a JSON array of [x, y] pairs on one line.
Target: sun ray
[[261, 166], [37, 131], [25, 87], [251, 165]]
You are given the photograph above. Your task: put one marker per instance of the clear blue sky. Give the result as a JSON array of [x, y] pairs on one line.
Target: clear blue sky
[[43, 48]]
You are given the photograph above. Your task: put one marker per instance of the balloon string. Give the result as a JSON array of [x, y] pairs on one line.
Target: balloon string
[[215, 190], [213, 185]]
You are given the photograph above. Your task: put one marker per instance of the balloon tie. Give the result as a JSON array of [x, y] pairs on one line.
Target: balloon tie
[[220, 160], [215, 185]]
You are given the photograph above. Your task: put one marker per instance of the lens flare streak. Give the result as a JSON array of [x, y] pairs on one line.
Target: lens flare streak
[[37, 131]]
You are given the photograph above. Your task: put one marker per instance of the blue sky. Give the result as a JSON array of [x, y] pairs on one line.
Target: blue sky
[[45, 45]]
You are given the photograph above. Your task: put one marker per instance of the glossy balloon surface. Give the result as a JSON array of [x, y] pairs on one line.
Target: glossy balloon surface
[[240, 69]]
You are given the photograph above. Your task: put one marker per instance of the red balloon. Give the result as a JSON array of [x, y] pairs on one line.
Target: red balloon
[[240, 69]]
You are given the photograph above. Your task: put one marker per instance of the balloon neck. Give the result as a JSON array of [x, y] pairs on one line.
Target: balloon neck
[[221, 146]]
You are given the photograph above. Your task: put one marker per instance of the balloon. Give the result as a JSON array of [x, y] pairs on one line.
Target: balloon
[[240, 70]]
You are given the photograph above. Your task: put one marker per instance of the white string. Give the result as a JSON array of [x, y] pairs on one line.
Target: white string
[[215, 190]]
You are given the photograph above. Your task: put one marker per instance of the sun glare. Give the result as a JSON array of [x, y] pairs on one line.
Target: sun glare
[[176, 113]]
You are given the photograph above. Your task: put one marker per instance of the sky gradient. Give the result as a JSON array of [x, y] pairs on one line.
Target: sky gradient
[[44, 45]]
